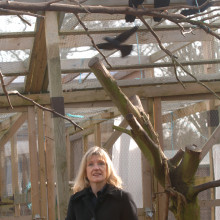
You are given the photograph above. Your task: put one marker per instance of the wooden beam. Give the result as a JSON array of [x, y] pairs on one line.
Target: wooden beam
[[14, 171], [50, 165], [13, 129], [168, 89], [23, 217], [42, 165], [77, 66], [54, 73], [189, 110], [5, 125], [34, 163], [97, 134], [38, 61], [213, 139], [92, 121], [115, 135], [167, 34]]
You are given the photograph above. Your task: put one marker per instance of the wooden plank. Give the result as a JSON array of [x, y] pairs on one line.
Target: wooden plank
[[163, 198], [13, 129], [68, 153], [97, 134], [147, 176], [14, 167], [54, 73], [189, 110], [77, 66], [50, 165], [213, 139], [95, 2], [34, 163], [209, 203], [5, 125], [2, 173], [114, 112], [115, 135], [23, 217], [168, 36], [42, 165], [38, 61], [78, 38]]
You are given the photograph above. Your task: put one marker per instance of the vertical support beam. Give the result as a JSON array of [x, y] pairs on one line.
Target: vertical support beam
[[57, 101], [97, 135], [68, 154], [14, 167], [163, 199], [147, 175], [50, 165], [213, 120], [2, 171], [85, 143], [43, 190], [34, 171]]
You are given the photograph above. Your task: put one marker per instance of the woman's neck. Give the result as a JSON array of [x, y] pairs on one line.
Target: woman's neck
[[97, 187]]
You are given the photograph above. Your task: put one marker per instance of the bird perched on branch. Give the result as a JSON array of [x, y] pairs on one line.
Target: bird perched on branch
[[187, 12], [116, 42], [159, 4], [133, 4]]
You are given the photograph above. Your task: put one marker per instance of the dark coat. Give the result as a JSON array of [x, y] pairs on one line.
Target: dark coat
[[112, 204]]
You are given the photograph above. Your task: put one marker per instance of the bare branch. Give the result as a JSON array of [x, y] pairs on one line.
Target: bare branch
[[175, 62], [25, 21], [43, 108], [4, 89], [93, 43], [16, 12], [176, 158], [205, 186]]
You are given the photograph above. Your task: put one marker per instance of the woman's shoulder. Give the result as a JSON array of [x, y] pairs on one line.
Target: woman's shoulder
[[79, 194], [118, 192]]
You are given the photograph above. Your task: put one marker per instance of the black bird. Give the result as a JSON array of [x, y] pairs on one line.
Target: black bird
[[133, 4], [188, 12], [116, 42], [159, 4]]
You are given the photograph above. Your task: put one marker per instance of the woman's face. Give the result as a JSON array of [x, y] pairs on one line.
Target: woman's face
[[96, 170]]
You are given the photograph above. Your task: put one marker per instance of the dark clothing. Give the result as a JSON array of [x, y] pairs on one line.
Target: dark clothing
[[110, 204]]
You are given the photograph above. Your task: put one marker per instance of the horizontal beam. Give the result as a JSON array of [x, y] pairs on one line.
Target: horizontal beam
[[168, 33], [81, 65], [155, 87]]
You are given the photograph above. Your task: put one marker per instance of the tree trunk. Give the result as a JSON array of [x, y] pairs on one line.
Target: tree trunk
[[177, 174]]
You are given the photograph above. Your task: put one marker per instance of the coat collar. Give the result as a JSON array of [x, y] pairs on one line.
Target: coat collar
[[109, 190]]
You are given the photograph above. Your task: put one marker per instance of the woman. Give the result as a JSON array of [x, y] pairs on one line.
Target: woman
[[97, 191]]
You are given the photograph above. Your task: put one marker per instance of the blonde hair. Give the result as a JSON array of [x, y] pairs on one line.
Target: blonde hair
[[81, 180]]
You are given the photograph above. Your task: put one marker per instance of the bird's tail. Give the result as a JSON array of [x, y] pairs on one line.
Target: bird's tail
[[125, 50], [130, 18]]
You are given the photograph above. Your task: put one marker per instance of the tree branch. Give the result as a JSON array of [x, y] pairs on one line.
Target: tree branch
[[43, 108], [177, 157], [205, 186]]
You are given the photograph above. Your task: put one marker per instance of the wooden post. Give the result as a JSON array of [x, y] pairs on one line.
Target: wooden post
[[43, 190], [85, 143], [97, 135], [34, 171], [2, 171], [163, 199], [50, 165], [14, 167], [147, 174], [68, 154], [57, 102]]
